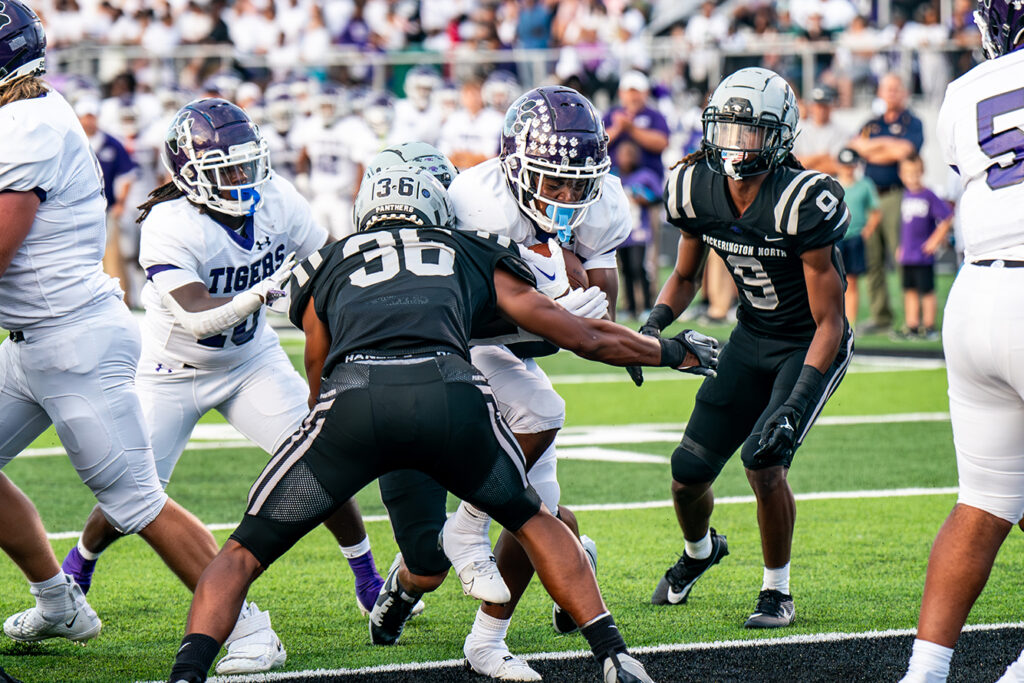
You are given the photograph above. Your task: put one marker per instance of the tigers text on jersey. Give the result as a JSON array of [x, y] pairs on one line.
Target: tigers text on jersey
[[979, 127], [181, 245], [56, 270], [794, 211], [398, 291], [483, 201]]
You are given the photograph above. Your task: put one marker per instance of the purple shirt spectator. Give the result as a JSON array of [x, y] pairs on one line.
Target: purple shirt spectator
[[921, 212], [645, 185], [646, 118]]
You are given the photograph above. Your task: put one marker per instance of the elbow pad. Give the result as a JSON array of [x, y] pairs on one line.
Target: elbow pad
[[203, 324]]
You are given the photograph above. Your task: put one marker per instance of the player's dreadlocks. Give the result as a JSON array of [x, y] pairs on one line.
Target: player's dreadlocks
[[701, 154], [164, 193]]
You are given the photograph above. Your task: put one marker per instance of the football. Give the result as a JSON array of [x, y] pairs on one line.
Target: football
[[573, 265]]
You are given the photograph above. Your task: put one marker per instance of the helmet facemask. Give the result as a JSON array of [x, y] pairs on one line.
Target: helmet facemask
[[740, 146], [536, 180], [227, 183]]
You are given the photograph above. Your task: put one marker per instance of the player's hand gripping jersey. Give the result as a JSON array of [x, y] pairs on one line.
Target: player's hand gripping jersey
[[794, 211], [181, 245]]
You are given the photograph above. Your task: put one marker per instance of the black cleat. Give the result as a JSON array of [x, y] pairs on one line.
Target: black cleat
[[674, 587], [774, 610], [393, 608]]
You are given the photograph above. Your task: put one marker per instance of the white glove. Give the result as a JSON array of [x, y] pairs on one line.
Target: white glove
[[586, 303], [552, 280], [272, 288]]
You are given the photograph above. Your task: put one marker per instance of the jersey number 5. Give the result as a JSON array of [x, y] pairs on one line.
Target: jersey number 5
[[1009, 139], [385, 258]]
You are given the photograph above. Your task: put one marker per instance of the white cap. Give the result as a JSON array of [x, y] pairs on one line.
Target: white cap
[[87, 106], [634, 80]]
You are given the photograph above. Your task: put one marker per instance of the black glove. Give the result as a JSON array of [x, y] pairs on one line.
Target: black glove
[[778, 438], [661, 317], [706, 350]]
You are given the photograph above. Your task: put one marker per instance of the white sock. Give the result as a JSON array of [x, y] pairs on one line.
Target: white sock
[[353, 551], [53, 597], [929, 662], [469, 519], [488, 629], [86, 553], [776, 579], [701, 550], [1014, 672]]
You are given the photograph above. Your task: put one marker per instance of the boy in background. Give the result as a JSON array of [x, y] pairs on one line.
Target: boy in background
[[643, 187], [924, 228], [862, 200]]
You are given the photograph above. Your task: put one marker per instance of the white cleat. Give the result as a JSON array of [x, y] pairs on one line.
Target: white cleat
[[474, 564], [78, 624], [252, 645], [496, 661]]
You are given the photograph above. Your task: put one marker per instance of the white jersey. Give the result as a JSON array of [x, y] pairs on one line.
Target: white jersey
[[181, 245], [483, 201], [337, 154], [981, 107], [480, 134], [56, 270], [414, 125]]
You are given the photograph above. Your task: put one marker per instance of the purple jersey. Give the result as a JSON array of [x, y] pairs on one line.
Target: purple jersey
[[921, 212], [647, 119], [643, 187]]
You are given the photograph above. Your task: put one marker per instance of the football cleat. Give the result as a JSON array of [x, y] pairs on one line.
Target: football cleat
[[365, 611], [621, 668], [78, 624], [79, 568], [252, 645], [471, 557], [495, 660], [560, 619], [675, 586], [392, 610], [774, 610]]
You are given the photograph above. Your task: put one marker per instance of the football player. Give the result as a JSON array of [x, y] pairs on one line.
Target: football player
[[550, 180], [775, 225], [981, 333], [72, 345], [392, 387], [218, 241]]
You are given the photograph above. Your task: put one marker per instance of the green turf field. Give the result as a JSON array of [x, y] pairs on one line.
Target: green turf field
[[858, 562]]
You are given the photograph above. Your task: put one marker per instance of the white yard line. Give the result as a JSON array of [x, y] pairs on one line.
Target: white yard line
[[654, 504], [410, 667], [208, 437]]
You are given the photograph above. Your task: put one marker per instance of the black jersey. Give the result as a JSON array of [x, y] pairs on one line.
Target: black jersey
[[794, 211], [398, 291]]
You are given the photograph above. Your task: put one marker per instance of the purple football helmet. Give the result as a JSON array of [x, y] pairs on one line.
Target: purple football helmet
[[217, 157], [554, 149], [22, 42], [1001, 23]]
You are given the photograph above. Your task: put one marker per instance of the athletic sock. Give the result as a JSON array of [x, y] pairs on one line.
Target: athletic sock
[[368, 580], [53, 598], [87, 554], [469, 519], [929, 662], [776, 579], [488, 629], [701, 550], [603, 637], [80, 565], [194, 658]]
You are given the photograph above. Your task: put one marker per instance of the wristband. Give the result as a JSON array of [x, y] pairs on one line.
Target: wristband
[[661, 317], [672, 353]]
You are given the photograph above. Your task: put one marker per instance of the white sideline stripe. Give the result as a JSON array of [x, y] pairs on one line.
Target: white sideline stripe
[[653, 504], [228, 437], [609, 455], [834, 637]]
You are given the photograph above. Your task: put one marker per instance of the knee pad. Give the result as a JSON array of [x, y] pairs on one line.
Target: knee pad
[[529, 411], [693, 464], [543, 476]]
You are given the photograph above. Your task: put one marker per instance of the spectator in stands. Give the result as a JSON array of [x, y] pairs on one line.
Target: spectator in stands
[[643, 187], [884, 141], [856, 49], [471, 134], [862, 201], [634, 121], [820, 137], [704, 32]]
